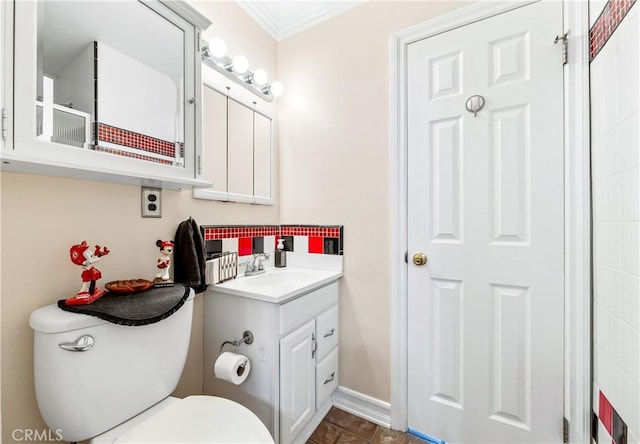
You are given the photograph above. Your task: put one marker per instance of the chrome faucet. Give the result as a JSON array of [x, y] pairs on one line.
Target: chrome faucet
[[256, 266]]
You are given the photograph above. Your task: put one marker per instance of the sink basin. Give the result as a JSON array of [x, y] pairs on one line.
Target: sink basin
[[278, 285]]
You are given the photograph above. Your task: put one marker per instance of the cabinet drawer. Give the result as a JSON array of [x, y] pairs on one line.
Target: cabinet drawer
[[305, 307], [327, 332], [326, 378]]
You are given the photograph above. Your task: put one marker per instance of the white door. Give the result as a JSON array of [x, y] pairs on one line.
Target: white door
[[485, 205], [297, 381]]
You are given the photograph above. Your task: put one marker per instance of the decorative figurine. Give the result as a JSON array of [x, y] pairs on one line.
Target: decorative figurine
[[82, 255], [164, 262]]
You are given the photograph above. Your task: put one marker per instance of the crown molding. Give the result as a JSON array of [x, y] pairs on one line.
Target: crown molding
[[284, 19]]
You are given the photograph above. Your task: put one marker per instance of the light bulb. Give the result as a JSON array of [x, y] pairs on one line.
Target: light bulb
[[240, 64], [260, 77], [277, 89], [217, 47]]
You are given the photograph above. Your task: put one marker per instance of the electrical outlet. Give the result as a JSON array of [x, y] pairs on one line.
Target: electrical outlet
[[151, 202]]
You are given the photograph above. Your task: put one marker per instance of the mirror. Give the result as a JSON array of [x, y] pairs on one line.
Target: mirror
[[110, 78]]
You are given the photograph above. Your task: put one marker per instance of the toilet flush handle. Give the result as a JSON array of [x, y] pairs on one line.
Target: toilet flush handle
[[83, 343]]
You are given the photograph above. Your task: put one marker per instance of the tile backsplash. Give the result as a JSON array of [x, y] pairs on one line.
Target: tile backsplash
[[250, 239]]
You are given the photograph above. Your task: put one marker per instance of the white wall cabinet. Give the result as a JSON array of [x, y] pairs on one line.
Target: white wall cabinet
[[236, 150], [294, 357], [134, 119]]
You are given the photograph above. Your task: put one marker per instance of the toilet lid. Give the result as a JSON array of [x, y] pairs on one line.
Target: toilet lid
[[200, 419]]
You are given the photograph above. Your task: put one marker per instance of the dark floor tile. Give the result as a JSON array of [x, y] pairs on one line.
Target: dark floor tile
[[325, 434], [415, 440], [328, 433], [351, 423], [386, 436]]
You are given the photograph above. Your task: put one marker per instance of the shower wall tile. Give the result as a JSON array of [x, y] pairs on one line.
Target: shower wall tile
[[615, 158]]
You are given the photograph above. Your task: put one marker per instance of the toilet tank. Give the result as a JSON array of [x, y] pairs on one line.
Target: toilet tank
[[81, 394]]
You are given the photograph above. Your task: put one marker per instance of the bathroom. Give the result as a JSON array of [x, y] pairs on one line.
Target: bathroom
[[334, 165]]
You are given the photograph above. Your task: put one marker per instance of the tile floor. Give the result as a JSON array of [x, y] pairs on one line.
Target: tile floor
[[340, 427]]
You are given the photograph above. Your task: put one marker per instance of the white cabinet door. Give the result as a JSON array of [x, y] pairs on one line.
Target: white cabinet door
[[297, 381], [214, 138], [239, 149]]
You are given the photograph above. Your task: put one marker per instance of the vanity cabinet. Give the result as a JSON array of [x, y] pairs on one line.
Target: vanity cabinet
[[294, 357], [102, 91]]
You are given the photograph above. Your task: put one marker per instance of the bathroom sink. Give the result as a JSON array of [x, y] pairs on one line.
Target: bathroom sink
[[278, 285]]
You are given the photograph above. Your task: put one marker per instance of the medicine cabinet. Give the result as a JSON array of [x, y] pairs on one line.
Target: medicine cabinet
[[236, 149], [103, 90]]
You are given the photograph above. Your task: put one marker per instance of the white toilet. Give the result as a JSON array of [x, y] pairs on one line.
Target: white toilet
[[103, 382]]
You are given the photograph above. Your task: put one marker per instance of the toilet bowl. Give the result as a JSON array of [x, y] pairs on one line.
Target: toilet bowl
[[109, 383], [193, 419]]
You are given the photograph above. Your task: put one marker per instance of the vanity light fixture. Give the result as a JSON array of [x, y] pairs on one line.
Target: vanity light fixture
[[214, 55]]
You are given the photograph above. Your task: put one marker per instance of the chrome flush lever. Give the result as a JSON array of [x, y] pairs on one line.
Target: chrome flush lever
[[83, 343]]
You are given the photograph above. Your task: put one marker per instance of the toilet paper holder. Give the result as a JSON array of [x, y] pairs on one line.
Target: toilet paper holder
[[247, 338]]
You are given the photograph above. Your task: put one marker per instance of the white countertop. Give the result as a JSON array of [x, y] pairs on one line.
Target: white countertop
[[278, 285]]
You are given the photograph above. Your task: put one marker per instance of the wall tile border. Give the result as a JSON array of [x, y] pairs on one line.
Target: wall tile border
[[131, 139], [606, 421], [606, 24], [313, 239]]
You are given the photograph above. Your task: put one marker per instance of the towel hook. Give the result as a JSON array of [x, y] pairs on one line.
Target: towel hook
[[247, 338]]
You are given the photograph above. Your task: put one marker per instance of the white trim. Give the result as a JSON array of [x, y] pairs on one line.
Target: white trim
[[577, 396], [363, 406], [577, 212]]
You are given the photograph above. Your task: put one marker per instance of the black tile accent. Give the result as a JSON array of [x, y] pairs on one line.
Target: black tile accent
[[594, 427], [341, 240], [257, 245], [331, 245], [288, 243], [619, 429], [213, 248]]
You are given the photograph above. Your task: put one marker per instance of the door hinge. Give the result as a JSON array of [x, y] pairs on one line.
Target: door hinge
[[5, 120], [564, 38], [199, 164], [565, 431]]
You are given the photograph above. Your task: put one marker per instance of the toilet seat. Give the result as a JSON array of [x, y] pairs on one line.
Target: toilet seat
[[200, 419]]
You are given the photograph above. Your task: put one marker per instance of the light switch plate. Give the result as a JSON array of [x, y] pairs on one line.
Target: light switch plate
[[151, 202]]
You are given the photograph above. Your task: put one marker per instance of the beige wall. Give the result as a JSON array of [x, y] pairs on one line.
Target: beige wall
[[41, 217], [334, 149]]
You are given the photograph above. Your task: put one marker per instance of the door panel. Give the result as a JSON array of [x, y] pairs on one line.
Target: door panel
[[486, 205]]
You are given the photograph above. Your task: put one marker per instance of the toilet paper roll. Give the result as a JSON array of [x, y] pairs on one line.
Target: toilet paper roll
[[232, 367]]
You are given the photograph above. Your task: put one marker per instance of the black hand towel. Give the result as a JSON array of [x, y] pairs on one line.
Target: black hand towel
[[188, 256]]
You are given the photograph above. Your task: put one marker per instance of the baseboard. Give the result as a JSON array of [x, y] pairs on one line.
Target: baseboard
[[363, 406]]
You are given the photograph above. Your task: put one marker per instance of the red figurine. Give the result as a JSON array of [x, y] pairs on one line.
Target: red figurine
[[164, 262], [82, 255]]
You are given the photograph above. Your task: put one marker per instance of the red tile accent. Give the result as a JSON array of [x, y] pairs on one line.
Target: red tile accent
[[316, 234], [119, 136], [606, 413], [611, 16], [245, 246], [316, 244]]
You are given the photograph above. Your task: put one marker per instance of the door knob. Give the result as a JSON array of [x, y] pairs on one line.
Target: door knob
[[420, 259]]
